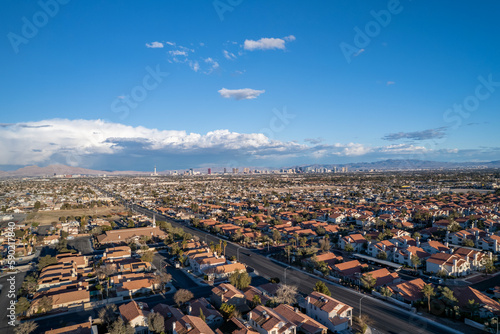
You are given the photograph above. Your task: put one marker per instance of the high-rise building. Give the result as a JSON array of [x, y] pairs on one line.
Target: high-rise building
[[209, 171], [225, 171], [235, 170]]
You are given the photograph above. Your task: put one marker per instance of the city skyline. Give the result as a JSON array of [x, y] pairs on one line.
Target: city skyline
[[127, 87]]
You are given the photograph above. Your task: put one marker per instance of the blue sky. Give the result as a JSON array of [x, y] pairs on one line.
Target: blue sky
[[130, 84]]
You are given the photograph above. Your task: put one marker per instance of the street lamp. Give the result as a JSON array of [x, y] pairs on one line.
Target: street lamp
[[285, 272], [360, 305]]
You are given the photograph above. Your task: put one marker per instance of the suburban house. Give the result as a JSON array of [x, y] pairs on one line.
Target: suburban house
[[235, 326], [381, 246], [409, 291], [476, 259], [489, 243], [355, 240], [433, 247], [224, 270], [213, 318], [136, 315], [347, 270], [404, 255], [382, 277], [266, 321], [487, 306], [304, 323], [227, 293], [170, 313], [191, 324], [335, 315], [450, 263]]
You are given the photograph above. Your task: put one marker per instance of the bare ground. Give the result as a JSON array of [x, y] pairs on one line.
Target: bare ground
[[47, 217]]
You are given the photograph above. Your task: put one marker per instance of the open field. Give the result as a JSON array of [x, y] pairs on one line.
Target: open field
[[47, 217]]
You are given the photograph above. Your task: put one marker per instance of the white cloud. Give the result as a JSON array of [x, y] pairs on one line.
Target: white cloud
[[229, 55], [213, 65], [177, 53], [267, 43], [154, 45], [240, 94], [195, 66]]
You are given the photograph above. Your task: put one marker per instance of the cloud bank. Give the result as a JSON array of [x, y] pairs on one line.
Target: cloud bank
[[105, 145]]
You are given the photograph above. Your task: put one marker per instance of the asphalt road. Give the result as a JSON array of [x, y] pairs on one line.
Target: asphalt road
[[386, 319], [5, 300]]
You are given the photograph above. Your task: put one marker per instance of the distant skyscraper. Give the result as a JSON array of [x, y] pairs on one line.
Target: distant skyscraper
[[225, 171], [235, 170], [209, 171]]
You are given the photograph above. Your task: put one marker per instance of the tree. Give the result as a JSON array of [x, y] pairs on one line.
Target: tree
[[368, 281], [276, 236], [119, 327], [107, 314], [162, 279], [45, 304], [382, 255], [27, 327], [256, 301], [288, 249], [45, 261], [182, 296], [489, 266], [286, 294], [468, 243], [22, 305], [448, 296], [147, 256], [156, 322], [385, 291], [227, 310], [415, 260], [349, 248], [428, 292], [37, 205], [322, 288], [240, 279], [30, 284], [224, 244]]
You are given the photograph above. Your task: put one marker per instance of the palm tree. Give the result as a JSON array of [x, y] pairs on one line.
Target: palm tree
[[225, 245], [368, 281], [473, 307], [428, 292]]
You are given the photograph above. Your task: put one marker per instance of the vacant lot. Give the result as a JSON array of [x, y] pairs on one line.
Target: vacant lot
[[47, 217]]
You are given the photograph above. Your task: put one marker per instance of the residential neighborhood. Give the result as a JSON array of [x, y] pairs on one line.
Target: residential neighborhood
[[181, 254]]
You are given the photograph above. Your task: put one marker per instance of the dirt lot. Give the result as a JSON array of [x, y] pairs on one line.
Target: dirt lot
[[47, 217]]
